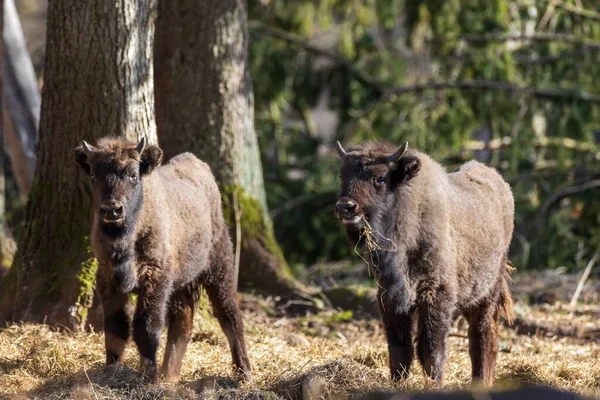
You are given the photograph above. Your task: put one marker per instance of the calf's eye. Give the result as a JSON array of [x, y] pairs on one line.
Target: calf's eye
[[133, 178], [381, 179]]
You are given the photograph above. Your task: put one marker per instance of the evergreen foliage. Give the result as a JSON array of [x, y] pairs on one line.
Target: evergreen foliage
[[445, 76]]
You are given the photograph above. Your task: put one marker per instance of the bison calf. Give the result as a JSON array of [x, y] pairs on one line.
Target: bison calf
[[438, 242], [159, 232]]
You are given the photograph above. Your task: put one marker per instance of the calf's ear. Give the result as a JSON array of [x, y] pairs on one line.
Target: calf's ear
[[81, 158], [405, 169], [150, 158]]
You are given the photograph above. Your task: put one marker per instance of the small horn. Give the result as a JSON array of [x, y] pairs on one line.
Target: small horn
[[140, 147], [87, 148], [341, 152], [394, 158]]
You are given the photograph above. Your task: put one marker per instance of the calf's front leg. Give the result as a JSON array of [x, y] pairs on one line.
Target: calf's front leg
[[181, 317], [435, 322], [116, 306], [399, 337], [149, 319], [397, 322]]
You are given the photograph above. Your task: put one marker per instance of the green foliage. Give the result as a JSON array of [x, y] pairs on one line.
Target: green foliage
[[352, 53]]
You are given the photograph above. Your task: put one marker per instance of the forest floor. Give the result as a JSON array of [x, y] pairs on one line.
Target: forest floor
[[330, 353]]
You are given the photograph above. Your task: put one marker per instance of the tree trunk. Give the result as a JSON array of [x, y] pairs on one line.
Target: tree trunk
[[2, 176], [22, 99], [204, 105], [98, 82]]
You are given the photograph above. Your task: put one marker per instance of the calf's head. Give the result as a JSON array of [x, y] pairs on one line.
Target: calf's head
[[115, 168], [371, 176]]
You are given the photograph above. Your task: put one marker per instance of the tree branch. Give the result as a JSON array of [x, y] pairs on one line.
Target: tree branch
[[535, 37], [320, 198], [280, 34], [571, 190], [554, 94], [567, 143], [582, 12]]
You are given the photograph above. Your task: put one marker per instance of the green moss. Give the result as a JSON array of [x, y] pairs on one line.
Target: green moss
[[86, 278]]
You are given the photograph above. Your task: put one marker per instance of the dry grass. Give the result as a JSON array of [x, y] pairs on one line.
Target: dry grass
[[328, 353]]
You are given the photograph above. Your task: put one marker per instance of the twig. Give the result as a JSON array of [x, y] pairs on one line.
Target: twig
[[238, 236], [91, 384], [584, 277]]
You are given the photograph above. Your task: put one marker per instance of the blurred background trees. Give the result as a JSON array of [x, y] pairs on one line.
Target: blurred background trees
[[512, 83]]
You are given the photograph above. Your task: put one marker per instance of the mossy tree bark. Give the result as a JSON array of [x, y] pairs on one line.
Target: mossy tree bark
[[98, 82], [204, 105]]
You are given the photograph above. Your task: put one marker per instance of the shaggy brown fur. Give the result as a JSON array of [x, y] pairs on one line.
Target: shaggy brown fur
[[441, 245], [159, 232]]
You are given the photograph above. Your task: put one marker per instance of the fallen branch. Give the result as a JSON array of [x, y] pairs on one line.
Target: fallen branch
[[531, 327]]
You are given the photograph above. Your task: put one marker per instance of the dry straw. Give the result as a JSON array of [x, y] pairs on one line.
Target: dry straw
[[333, 358]]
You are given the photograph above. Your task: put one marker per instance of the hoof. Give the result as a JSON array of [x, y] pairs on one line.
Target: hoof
[[148, 368]]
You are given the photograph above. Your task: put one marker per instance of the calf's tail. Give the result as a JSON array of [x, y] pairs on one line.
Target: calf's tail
[[505, 303]]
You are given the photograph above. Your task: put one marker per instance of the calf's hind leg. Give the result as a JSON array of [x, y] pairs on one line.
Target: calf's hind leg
[[483, 341], [222, 292], [181, 317], [223, 299]]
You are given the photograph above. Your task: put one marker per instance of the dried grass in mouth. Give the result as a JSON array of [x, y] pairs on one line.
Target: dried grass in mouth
[[372, 238]]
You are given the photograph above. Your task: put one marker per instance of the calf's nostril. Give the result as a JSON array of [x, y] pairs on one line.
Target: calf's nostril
[[347, 208], [118, 211]]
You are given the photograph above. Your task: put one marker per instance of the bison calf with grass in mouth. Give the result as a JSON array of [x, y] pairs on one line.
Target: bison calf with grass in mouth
[[159, 232], [438, 242]]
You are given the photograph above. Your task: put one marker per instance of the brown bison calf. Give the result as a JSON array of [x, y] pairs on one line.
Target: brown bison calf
[[438, 242], [159, 232]]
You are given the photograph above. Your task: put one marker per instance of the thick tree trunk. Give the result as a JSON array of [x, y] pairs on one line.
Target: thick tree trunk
[[22, 99], [3, 239], [98, 82], [204, 105]]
